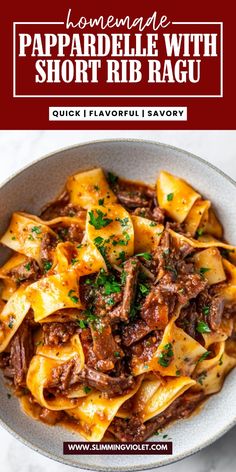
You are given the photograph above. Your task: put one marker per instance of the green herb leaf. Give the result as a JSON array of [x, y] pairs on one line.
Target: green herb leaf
[[47, 266], [123, 221], [144, 289], [206, 310], [203, 270], [101, 201], [74, 260], [204, 356], [99, 221], [166, 355], [123, 277], [116, 354], [121, 256], [27, 266], [199, 232], [73, 298], [201, 377], [36, 229], [170, 197], [81, 324], [146, 255], [203, 327], [87, 389], [112, 178]]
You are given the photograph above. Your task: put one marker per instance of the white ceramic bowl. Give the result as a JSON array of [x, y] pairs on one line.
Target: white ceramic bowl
[[40, 182]]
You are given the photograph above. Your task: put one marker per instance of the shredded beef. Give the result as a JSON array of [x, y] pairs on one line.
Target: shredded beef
[[105, 347], [68, 375], [131, 270], [216, 312], [111, 386], [55, 334], [133, 430], [157, 308], [21, 352], [27, 271], [135, 331]]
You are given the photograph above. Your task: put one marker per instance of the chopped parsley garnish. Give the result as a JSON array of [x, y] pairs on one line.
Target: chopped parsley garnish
[[36, 229], [87, 389], [97, 188], [101, 201], [31, 237], [110, 301], [123, 277], [73, 298], [116, 354], [11, 323], [199, 232], [90, 317], [27, 266], [112, 178], [47, 266], [177, 373], [166, 355], [121, 256], [201, 377], [203, 327], [99, 221], [111, 286], [203, 270], [144, 289], [101, 278], [206, 310], [74, 260], [123, 221], [203, 356], [146, 255], [81, 324], [13, 238], [153, 223], [170, 197], [98, 241]]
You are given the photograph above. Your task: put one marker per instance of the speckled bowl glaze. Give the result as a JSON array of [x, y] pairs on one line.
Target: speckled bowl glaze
[[41, 182]]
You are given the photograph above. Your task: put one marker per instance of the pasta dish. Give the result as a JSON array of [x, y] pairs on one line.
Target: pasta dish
[[117, 306]]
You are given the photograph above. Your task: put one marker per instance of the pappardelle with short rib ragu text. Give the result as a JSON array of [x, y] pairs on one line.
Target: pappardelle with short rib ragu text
[[117, 306]]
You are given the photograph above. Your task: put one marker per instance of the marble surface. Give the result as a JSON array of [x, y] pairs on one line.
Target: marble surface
[[17, 149]]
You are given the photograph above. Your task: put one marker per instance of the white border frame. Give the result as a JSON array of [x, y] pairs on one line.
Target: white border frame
[[15, 95]]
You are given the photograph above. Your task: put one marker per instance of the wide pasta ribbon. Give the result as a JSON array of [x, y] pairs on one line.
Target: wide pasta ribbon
[[40, 370], [88, 188], [110, 228], [54, 293], [210, 373], [95, 412], [176, 355], [25, 234], [12, 316]]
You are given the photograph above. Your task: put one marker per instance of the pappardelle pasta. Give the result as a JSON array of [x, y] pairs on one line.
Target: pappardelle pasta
[[117, 306]]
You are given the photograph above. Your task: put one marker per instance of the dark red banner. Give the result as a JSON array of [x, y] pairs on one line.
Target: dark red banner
[[144, 55]]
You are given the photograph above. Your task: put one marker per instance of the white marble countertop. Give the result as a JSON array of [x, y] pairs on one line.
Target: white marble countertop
[[18, 148]]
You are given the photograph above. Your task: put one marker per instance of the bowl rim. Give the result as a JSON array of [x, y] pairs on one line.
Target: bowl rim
[[168, 460]]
